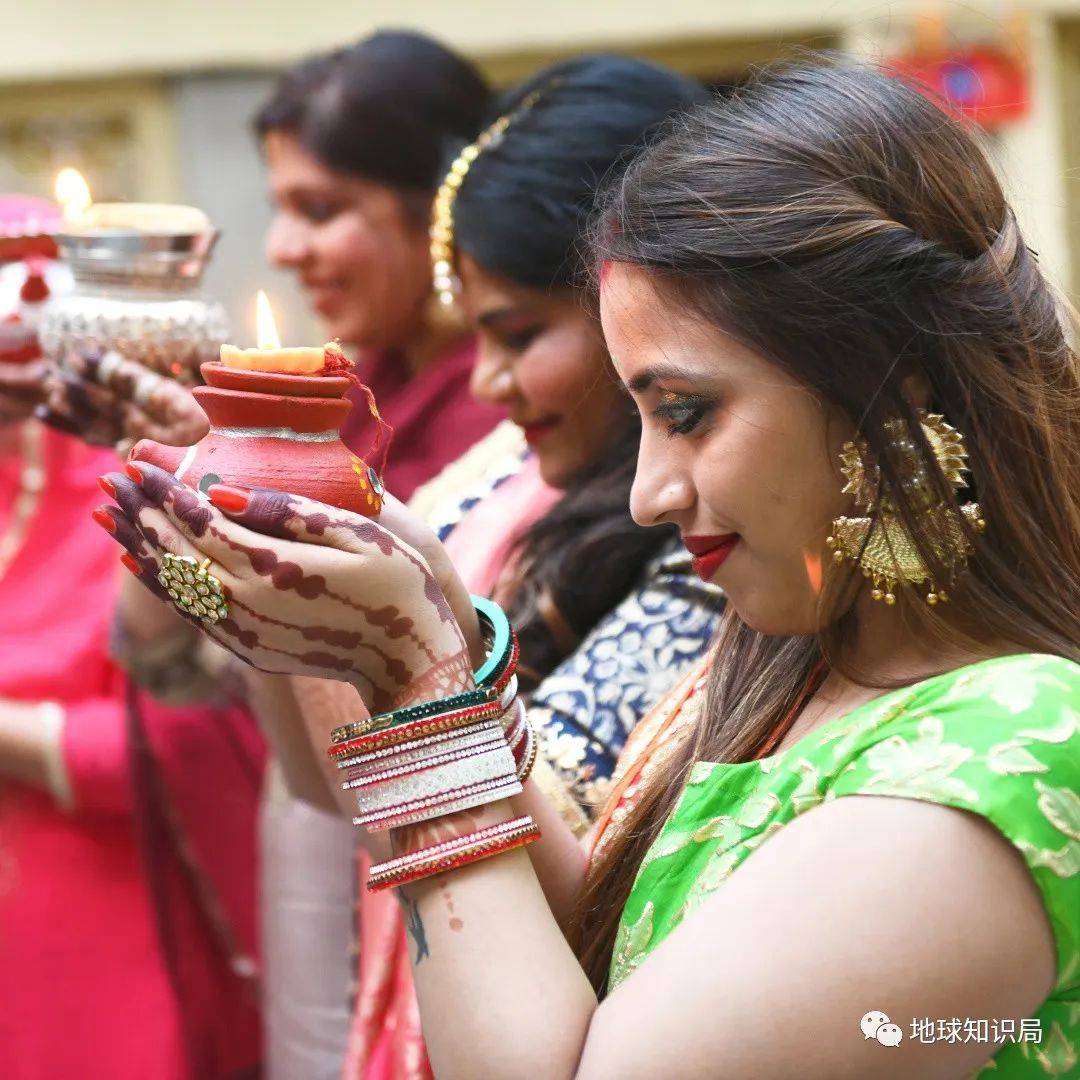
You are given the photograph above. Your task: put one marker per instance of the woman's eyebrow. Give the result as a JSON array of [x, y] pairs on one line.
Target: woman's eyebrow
[[655, 372]]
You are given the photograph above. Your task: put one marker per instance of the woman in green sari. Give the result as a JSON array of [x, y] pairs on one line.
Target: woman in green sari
[[849, 846]]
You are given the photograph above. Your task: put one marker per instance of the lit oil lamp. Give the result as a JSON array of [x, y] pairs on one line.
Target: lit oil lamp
[[275, 415], [137, 269]]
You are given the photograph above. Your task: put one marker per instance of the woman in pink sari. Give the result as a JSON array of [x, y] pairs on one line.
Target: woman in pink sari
[[79, 949]]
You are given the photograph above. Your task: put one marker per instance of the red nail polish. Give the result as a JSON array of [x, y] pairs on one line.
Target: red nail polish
[[133, 472], [107, 486], [233, 500], [104, 519], [131, 564]]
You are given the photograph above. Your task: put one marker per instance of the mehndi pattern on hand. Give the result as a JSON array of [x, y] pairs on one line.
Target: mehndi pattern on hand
[[312, 590]]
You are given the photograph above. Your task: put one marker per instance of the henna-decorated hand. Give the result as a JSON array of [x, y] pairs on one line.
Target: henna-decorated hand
[[405, 525], [118, 402], [312, 590]]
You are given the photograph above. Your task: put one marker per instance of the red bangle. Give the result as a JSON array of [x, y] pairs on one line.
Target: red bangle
[[434, 743], [417, 729], [511, 667], [453, 854]]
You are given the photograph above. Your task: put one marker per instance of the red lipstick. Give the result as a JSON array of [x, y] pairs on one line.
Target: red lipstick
[[536, 431], [710, 552]]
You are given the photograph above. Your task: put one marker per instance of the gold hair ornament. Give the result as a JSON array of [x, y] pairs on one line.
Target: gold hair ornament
[[879, 542], [444, 278]]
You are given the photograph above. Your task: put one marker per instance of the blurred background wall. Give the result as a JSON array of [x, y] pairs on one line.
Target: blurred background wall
[[152, 101]]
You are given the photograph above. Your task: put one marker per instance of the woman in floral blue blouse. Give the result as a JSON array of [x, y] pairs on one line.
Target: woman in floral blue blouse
[[608, 614]]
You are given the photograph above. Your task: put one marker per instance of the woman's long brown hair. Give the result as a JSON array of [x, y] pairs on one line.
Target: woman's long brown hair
[[843, 226]]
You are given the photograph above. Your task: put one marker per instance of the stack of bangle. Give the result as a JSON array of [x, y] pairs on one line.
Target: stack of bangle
[[466, 765], [521, 739], [490, 681], [441, 757]]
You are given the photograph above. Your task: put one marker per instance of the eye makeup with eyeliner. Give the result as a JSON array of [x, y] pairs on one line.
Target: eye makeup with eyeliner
[[682, 413]]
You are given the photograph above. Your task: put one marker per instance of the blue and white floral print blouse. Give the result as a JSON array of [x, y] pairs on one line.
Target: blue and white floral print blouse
[[585, 709]]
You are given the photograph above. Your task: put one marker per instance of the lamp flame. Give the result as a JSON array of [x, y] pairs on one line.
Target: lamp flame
[[72, 193], [266, 334]]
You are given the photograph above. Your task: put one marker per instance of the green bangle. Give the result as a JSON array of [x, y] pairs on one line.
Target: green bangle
[[498, 638], [466, 699], [494, 619]]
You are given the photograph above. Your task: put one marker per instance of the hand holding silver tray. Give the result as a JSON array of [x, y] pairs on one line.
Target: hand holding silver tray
[[132, 334]]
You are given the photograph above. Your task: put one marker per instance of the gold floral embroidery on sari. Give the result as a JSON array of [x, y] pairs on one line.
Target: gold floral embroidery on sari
[[807, 794], [1056, 1054], [632, 944], [1061, 808], [920, 766]]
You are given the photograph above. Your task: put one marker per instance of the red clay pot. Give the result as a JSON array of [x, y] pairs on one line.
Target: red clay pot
[[272, 431]]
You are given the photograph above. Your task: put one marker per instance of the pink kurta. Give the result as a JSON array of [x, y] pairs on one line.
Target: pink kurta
[[83, 986]]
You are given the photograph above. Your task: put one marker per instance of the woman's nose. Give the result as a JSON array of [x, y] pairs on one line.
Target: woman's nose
[[492, 380], [662, 491], [287, 242]]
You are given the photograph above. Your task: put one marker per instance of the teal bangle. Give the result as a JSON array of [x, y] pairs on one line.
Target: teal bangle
[[466, 699], [500, 651], [494, 618]]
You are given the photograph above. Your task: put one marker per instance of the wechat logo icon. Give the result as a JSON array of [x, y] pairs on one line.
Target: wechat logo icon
[[876, 1025]]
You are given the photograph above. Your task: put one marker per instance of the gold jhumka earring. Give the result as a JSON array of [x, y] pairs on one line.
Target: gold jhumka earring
[[879, 542], [447, 285]]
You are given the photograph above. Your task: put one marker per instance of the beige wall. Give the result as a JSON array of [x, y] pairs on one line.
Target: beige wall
[[44, 39], [141, 104], [49, 40], [1069, 97], [1032, 157]]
